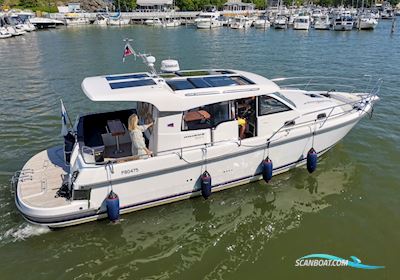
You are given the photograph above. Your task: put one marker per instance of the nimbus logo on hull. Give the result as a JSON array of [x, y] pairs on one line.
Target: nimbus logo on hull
[[330, 260]]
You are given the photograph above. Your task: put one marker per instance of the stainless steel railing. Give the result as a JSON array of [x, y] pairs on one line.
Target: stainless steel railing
[[367, 83]]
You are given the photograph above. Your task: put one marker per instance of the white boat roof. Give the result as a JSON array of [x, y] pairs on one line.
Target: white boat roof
[[178, 91]]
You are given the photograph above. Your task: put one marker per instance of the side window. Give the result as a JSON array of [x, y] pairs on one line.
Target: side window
[[207, 116], [268, 105]]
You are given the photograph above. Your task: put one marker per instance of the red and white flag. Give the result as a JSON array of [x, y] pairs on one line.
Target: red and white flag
[[128, 50]]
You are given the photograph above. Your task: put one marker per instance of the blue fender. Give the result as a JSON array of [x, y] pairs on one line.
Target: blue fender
[[312, 158], [205, 179], [267, 168], [112, 203]]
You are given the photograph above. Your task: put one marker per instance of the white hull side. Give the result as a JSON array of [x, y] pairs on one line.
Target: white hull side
[[343, 27], [261, 24], [228, 164], [322, 26], [118, 21], [301, 26], [280, 26], [367, 25], [208, 24]]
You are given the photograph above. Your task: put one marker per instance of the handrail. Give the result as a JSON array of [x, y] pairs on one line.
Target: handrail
[[316, 81], [318, 84], [314, 77]]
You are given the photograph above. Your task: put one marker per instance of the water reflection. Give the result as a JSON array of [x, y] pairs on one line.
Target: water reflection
[[232, 226]]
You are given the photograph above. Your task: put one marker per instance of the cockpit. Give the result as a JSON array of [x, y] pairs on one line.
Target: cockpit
[[105, 136]]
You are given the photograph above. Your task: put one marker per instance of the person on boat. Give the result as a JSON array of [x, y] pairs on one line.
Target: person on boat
[[136, 133], [242, 127], [245, 107]]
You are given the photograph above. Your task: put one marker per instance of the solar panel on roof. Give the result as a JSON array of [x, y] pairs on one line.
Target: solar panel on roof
[[208, 82], [220, 81], [125, 77], [180, 84], [137, 83], [199, 82]]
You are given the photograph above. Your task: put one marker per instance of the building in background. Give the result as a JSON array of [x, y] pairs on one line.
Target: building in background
[[154, 5], [237, 5], [74, 7]]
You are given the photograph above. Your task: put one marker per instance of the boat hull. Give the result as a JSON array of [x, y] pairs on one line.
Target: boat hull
[[343, 27], [230, 165], [92, 215], [262, 24], [321, 26], [207, 24]]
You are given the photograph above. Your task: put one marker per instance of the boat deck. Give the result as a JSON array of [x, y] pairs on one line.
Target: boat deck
[[125, 150], [42, 177]]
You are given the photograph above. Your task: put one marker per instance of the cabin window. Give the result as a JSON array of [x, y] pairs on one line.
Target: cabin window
[[207, 116], [281, 96], [268, 105]]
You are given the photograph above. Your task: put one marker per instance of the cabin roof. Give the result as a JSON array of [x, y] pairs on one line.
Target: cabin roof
[[178, 91]]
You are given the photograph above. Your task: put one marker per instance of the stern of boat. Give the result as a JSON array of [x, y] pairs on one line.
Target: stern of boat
[[42, 192]]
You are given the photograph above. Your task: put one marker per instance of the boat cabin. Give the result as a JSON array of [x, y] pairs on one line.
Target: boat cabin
[[189, 109]]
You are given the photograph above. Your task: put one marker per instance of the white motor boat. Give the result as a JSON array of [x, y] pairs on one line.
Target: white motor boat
[[280, 22], [118, 21], [302, 23], [262, 23], [4, 33], [241, 22], [172, 23], [3, 29], [41, 22], [13, 27], [343, 23], [237, 23], [322, 23], [24, 18], [208, 20], [387, 14], [76, 20], [21, 22], [366, 22], [197, 141], [101, 19], [153, 22]]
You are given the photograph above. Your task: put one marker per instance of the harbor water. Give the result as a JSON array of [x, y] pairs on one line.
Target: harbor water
[[348, 207]]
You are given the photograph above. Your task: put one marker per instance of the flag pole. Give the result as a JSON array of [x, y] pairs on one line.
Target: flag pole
[[69, 119]]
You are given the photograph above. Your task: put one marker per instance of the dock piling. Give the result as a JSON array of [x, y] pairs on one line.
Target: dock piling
[[393, 25]]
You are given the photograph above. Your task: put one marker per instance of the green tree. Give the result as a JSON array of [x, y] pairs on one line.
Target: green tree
[[124, 5], [28, 3]]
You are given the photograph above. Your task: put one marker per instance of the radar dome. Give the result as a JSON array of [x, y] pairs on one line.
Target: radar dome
[[169, 65]]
